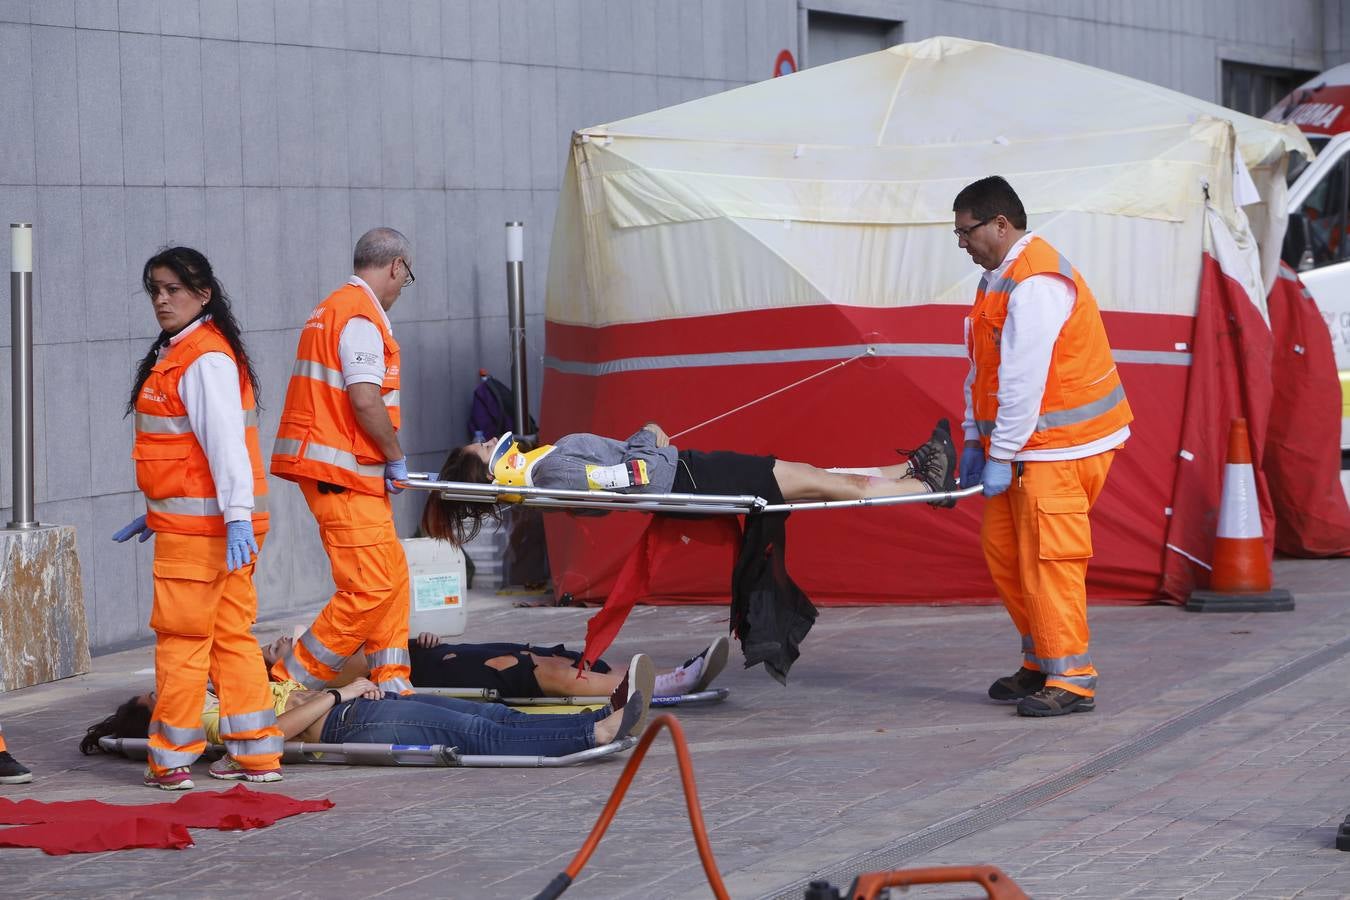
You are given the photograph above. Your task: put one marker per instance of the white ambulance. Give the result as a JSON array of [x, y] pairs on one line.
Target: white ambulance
[[1317, 243]]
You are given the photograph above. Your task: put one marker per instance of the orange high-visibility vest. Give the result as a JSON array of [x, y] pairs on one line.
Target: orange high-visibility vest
[[318, 436], [171, 466], [1084, 399]]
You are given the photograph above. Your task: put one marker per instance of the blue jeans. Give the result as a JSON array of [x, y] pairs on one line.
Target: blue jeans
[[472, 727]]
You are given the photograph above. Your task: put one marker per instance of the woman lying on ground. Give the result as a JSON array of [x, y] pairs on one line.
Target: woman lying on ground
[[360, 713], [648, 463], [521, 670]]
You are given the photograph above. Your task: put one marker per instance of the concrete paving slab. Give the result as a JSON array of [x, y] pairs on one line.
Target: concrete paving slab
[[1216, 765]]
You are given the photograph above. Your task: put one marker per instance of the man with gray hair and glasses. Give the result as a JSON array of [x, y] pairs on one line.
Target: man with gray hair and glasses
[[338, 440]]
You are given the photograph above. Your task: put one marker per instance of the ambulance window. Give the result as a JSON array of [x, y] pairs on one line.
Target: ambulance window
[[1326, 210]]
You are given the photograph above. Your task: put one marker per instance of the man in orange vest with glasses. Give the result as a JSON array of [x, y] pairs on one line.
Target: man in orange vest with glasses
[[338, 440], [1045, 414]]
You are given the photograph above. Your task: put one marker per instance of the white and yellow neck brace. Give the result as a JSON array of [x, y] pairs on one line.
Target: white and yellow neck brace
[[511, 466]]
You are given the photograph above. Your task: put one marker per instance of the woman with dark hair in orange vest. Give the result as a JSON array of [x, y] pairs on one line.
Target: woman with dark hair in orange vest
[[199, 466]]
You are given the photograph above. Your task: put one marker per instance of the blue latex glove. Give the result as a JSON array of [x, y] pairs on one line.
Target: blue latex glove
[[997, 477], [972, 466], [240, 545], [395, 470], [137, 526]]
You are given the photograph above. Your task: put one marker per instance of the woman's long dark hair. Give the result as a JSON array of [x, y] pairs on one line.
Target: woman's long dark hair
[[459, 521], [194, 271], [132, 720]]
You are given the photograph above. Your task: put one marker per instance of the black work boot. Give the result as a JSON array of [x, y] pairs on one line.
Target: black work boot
[[935, 463], [1054, 701], [1022, 683], [11, 772]]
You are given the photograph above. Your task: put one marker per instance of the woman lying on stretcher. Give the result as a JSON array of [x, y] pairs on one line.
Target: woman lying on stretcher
[[648, 463], [521, 670], [359, 713]]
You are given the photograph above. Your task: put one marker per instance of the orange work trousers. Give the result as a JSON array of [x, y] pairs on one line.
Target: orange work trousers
[[2, 739], [1037, 542], [203, 618], [370, 607]]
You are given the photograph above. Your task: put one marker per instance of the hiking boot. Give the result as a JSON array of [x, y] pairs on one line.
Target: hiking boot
[[178, 779], [935, 462], [226, 769], [12, 771], [1022, 683], [1055, 701]]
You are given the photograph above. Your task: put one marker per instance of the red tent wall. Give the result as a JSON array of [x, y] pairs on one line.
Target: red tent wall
[[855, 415], [1302, 451], [1230, 378]]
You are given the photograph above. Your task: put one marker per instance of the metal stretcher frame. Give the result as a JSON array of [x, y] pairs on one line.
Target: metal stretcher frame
[[712, 695], [356, 754], [701, 504]]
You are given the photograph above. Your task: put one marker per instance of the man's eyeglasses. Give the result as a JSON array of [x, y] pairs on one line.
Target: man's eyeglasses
[[411, 278], [964, 233]]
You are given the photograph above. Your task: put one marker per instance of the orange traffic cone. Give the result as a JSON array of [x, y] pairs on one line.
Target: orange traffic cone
[[1240, 580]]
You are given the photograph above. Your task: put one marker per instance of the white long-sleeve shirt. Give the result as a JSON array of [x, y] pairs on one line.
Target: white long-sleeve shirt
[[209, 390], [361, 346], [1037, 310]]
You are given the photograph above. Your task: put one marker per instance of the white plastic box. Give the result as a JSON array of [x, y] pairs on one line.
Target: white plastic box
[[438, 581]]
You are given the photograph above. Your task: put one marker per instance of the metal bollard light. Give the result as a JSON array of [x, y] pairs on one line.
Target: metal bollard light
[[21, 382], [515, 299]]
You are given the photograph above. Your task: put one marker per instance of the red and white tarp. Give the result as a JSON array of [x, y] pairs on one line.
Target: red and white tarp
[[711, 254]]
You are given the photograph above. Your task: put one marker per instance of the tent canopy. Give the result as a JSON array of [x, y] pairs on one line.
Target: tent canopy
[[888, 139]]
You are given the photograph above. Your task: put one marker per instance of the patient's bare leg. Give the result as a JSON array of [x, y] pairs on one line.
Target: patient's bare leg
[[800, 481]]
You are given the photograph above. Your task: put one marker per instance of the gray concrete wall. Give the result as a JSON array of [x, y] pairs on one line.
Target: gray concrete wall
[[271, 133]]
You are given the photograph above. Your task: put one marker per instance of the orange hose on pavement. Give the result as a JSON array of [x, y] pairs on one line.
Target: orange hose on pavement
[[561, 882]]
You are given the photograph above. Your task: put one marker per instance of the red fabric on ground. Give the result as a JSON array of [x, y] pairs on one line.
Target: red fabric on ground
[[121, 832], [89, 826], [1303, 445]]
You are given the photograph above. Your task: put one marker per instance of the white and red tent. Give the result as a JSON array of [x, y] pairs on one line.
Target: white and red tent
[[708, 255]]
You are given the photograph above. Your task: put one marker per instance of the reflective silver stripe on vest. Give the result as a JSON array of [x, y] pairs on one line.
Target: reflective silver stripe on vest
[[255, 747], [240, 723], [149, 424], [394, 656], [397, 685], [1065, 269], [1286, 273], [1002, 285], [391, 398], [308, 368], [1063, 417], [330, 455], [1083, 413], [196, 506], [178, 736]]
